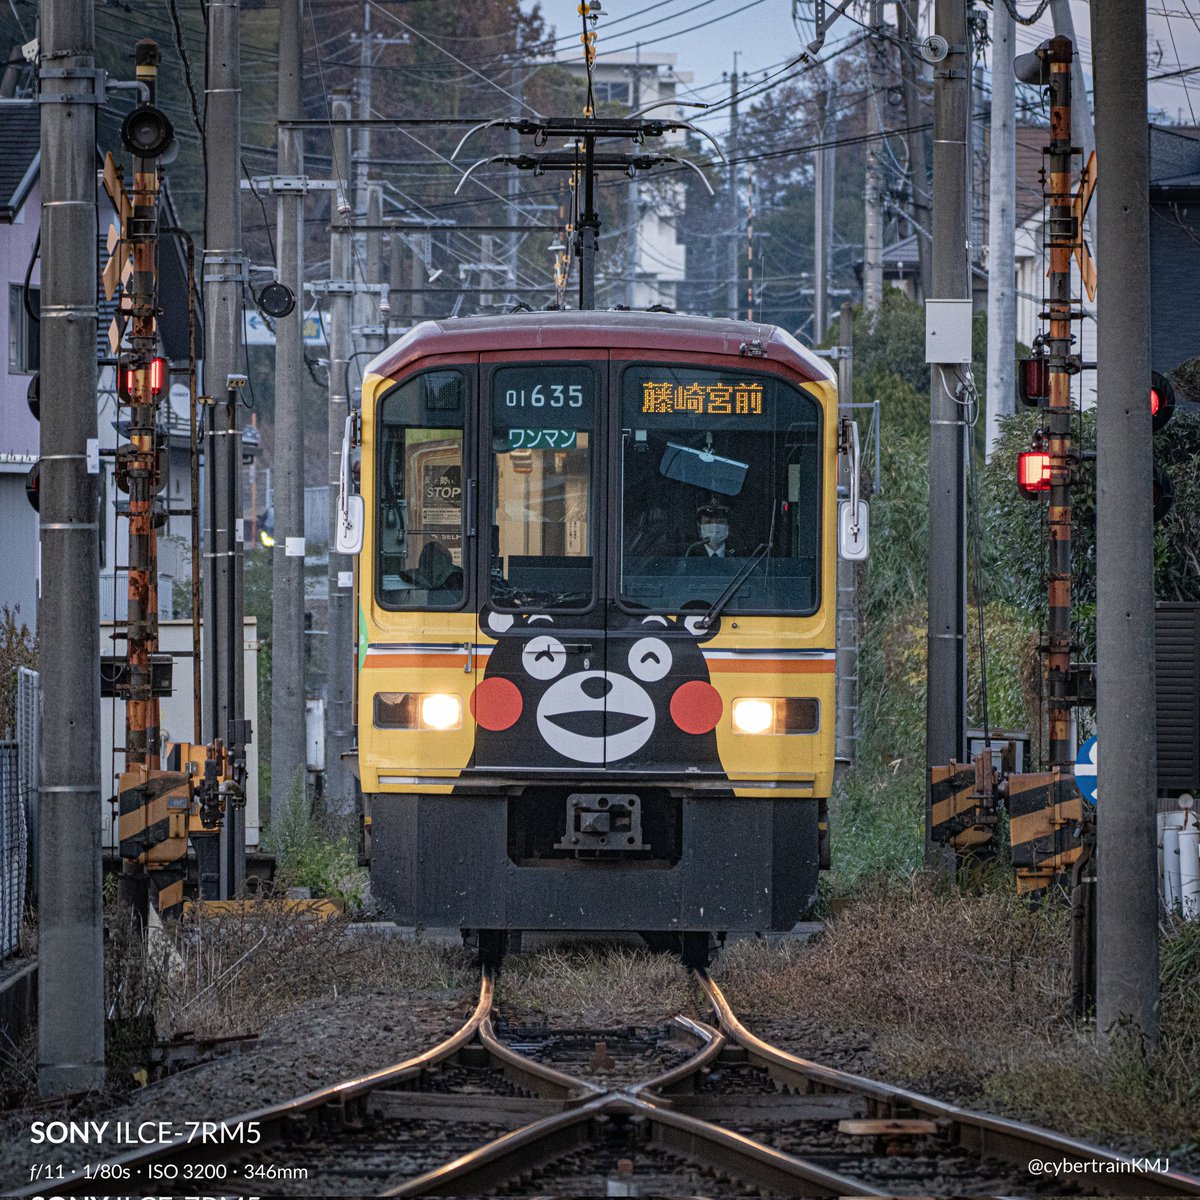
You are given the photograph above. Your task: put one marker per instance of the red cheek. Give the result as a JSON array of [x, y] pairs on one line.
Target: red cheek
[[696, 707], [496, 704]]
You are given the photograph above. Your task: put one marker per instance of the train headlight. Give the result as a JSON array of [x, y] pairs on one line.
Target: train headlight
[[441, 711], [782, 714], [753, 716], [417, 710]]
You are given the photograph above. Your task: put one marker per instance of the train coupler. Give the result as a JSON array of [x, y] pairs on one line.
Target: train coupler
[[608, 822]]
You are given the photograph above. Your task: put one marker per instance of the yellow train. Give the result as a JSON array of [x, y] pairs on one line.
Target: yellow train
[[595, 596]]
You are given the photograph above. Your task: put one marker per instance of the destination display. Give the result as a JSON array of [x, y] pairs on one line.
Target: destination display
[[667, 397]]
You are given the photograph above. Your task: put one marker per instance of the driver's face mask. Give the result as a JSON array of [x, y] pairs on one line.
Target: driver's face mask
[[714, 533]]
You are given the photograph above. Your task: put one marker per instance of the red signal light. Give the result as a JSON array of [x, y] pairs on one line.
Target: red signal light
[[1033, 472], [1162, 400], [158, 371]]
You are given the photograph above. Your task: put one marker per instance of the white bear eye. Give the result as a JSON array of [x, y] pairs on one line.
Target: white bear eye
[[544, 657], [650, 658]]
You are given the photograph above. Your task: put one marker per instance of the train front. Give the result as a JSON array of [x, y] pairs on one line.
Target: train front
[[596, 626]]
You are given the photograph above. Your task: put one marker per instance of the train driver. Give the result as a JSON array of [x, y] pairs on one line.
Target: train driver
[[712, 523]]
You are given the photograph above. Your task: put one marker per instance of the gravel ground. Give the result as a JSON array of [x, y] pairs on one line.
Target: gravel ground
[[853, 1051], [349, 1029], [317, 1044]]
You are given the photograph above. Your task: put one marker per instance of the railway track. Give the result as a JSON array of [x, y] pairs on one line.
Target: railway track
[[691, 1109]]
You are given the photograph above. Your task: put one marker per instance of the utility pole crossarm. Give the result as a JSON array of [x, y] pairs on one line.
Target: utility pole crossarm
[[823, 18]]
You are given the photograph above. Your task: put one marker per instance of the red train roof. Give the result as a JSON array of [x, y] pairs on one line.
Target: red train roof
[[636, 332]]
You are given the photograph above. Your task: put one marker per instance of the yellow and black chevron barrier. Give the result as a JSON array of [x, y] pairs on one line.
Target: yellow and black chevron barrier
[[158, 810], [963, 812], [1046, 820]]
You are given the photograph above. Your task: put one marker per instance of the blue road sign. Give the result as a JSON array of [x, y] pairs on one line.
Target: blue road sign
[[1085, 770]]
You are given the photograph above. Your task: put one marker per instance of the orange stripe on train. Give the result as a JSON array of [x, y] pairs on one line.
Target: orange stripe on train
[[773, 666]]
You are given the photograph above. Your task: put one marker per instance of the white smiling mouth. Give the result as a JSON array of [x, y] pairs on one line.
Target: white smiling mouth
[[596, 729]]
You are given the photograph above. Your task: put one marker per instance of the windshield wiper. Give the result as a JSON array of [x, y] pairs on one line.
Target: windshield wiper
[[718, 605]]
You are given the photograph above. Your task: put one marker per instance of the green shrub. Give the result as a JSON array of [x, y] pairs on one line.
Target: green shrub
[[315, 852]]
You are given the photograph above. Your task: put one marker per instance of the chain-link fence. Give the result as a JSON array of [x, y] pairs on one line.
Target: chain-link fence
[[28, 739], [14, 849]]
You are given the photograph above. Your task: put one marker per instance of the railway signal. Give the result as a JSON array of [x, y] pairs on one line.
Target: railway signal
[[1033, 381], [1034, 472], [1162, 406], [1162, 400], [33, 479], [146, 132]]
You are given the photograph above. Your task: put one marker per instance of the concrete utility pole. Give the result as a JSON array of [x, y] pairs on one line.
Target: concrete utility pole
[[70, 911], [1002, 204], [906, 20], [634, 188], [846, 728], [822, 221], [946, 699], [287, 556], [224, 278], [733, 298], [1127, 896], [374, 332], [339, 641], [513, 186], [362, 167], [873, 199]]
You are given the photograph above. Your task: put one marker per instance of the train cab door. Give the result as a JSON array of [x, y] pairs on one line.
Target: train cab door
[[540, 706], [662, 707]]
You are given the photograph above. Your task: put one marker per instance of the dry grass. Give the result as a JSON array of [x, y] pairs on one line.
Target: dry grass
[[604, 985], [967, 996], [234, 973]]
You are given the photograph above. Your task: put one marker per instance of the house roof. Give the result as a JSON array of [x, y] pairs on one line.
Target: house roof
[[1031, 141], [20, 153], [1174, 163]]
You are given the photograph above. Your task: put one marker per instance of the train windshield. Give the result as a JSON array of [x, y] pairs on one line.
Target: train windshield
[[420, 493], [543, 422], [721, 491]]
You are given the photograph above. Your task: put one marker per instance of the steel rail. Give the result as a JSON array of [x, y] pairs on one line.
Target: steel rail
[[1011, 1141], [706, 1145], [682, 1078], [338, 1104], [702, 1143], [534, 1076]]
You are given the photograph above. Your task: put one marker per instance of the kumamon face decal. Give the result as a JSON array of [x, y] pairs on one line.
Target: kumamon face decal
[[635, 696], [596, 717], [650, 659], [544, 657]]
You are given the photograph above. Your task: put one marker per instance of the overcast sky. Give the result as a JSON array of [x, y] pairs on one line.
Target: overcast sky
[[705, 34]]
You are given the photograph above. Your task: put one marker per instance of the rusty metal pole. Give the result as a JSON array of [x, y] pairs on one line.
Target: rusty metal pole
[[138, 463], [1062, 236]]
